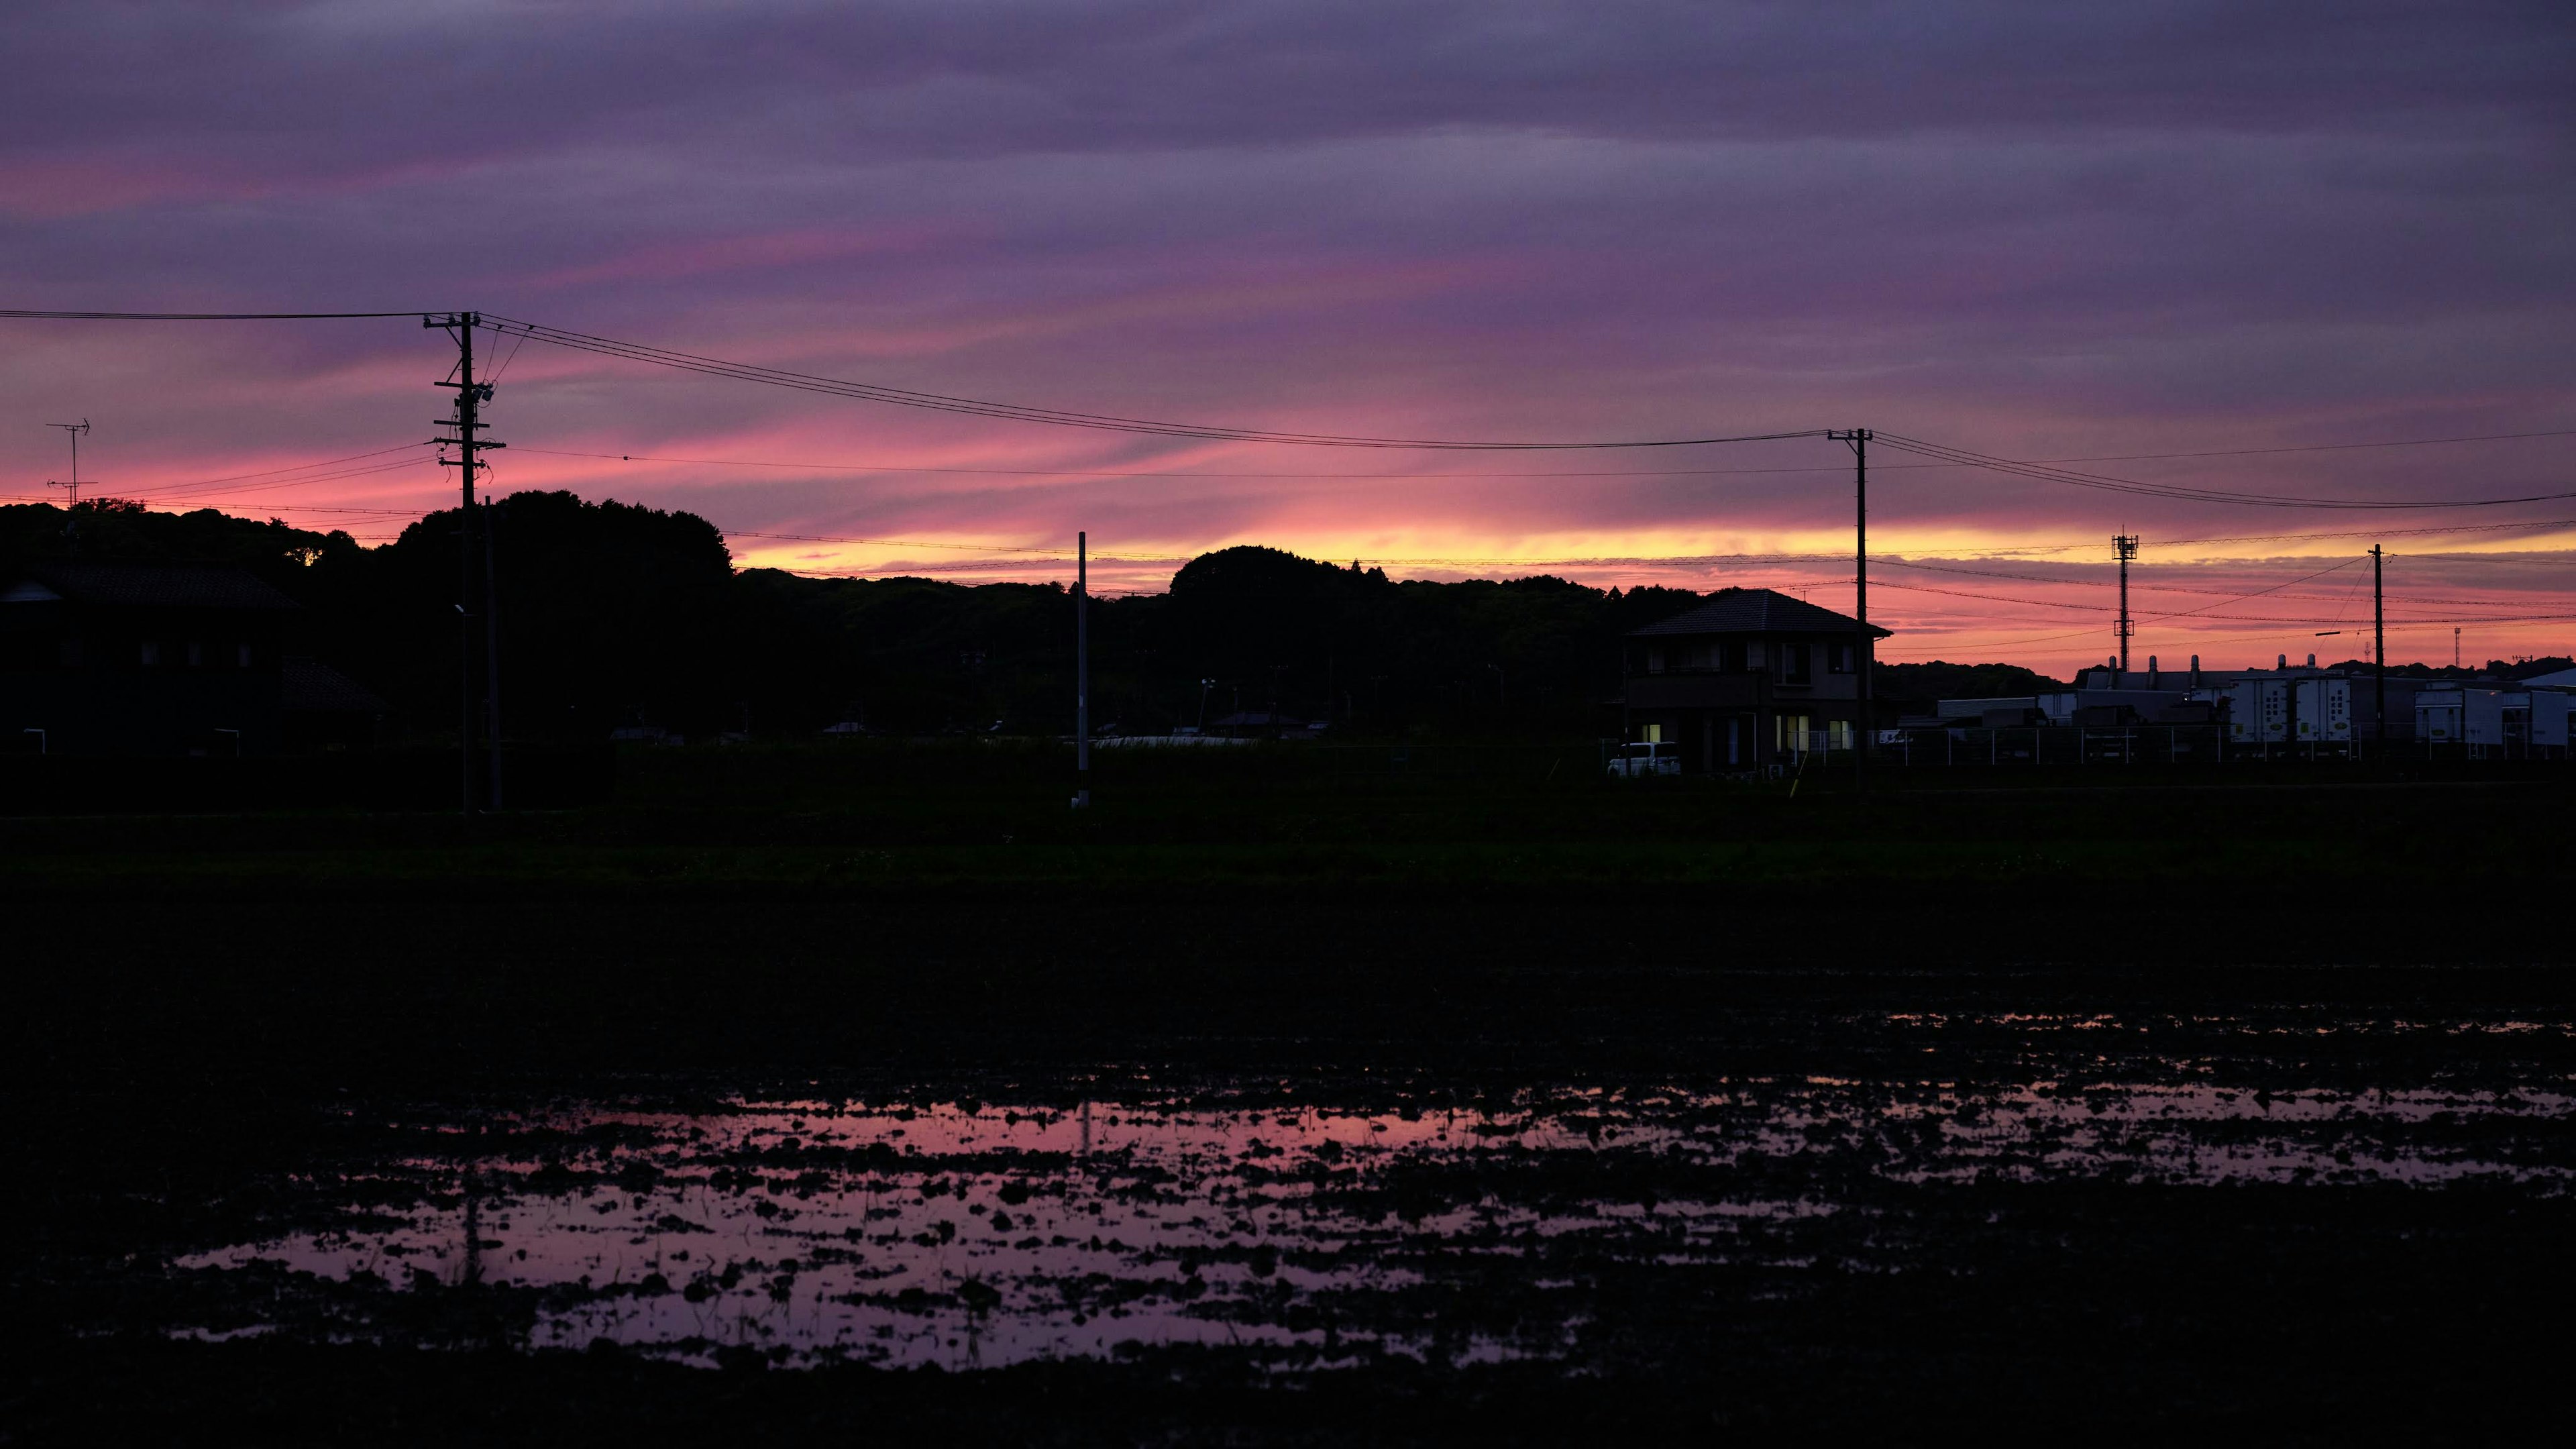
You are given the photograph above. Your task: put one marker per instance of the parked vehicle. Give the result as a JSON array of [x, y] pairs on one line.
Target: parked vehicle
[[1647, 757]]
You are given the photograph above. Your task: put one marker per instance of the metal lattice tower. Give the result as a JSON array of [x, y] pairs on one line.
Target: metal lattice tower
[[2126, 546]]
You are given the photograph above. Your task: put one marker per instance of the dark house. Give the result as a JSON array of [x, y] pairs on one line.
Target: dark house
[[141, 659], [1750, 678]]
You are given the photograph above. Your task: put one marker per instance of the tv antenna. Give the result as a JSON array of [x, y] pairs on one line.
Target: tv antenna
[[73, 487]]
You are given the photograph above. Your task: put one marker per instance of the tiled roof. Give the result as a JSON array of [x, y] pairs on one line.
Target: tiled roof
[[1757, 611], [158, 586]]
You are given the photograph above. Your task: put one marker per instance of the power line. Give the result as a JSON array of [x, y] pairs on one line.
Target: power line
[[1060, 417], [2201, 612], [27, 315], [906, 397], [889, 542], [2106, 583], [2311, 447], [2183, 493], [802, 466], [1137, 473], [2370, 533]]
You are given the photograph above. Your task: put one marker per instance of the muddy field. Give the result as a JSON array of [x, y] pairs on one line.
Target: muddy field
[[312, 1141]]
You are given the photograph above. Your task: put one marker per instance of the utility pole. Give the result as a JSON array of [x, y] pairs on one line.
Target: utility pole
[[1867, 725], [470, 396], [1082, 670], [2126, 546], [73, 431], [492, 662], [2378, 656], [71, 499]]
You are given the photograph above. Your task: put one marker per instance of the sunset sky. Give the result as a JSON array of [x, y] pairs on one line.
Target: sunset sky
[[2034, 231]]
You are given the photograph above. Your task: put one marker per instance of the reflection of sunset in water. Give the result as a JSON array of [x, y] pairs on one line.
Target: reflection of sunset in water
[[963, 1234]]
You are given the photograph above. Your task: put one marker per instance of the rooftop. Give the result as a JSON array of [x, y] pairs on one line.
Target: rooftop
[[144, 586], [1757, 611]]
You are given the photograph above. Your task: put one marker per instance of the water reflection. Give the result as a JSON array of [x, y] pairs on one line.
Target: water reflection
[[963, 1234]]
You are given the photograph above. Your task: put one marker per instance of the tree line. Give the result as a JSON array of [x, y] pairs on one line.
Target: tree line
[[614, 614]]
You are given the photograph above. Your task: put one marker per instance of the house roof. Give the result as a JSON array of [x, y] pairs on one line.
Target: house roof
[[1757, 611], [152, 586]]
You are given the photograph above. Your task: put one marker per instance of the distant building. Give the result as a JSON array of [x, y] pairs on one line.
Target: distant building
[[162, 659], [2495, 722], [2288, 704], [1750, 678]]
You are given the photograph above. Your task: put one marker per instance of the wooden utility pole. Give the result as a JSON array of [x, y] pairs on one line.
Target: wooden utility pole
[[492, 663], [470, 396], [1865, 728], [1082, 671], [2378, 656], [71, 496]]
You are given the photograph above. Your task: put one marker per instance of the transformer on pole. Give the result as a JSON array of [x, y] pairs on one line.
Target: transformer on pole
[[470, 397]]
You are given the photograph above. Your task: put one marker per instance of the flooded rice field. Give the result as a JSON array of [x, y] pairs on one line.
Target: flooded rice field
[[1315, 1222]]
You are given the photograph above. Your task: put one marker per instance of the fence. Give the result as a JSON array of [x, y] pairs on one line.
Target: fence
[[2068, 745]]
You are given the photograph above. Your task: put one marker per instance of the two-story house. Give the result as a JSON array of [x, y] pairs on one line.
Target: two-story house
[[1751, 677], [141, 659]]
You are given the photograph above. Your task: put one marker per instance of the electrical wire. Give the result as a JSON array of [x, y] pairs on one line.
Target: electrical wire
[[799, 466], [30, 315], [2312, 447], [1059, 417], [332, 476], [2364, 533], [2184, 493], [1128, 473], [495, 378]]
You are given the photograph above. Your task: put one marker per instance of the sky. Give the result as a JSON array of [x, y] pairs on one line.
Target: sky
[[2033, 231]]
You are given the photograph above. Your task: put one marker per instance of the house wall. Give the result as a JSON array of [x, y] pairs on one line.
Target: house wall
[[81, 677], [1730, 700]]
